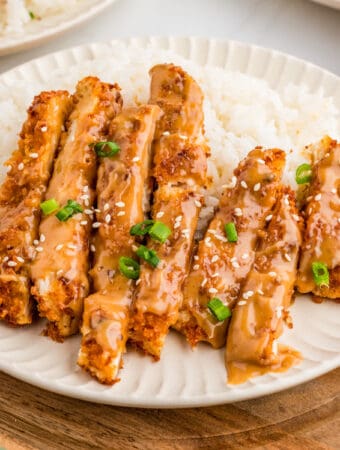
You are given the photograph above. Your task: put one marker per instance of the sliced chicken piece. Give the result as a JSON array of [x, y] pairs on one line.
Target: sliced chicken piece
[[20, 197], [220, 266], [258, 317], [180, 175], [122, 189], [59, 271], [322, 237]]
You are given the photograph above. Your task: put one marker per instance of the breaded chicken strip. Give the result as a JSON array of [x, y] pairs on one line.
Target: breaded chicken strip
[[20, 196], [59, 271]]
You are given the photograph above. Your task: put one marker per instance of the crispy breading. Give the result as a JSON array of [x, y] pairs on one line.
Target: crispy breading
[[322, 237], [220, 266], [20, 196], [122, 189], [59, 270]]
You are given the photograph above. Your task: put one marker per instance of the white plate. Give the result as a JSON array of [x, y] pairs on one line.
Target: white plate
[[183, 377], [37, 32], [331, 3]]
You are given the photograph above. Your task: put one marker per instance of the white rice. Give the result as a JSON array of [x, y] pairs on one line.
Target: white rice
[[240, 111]]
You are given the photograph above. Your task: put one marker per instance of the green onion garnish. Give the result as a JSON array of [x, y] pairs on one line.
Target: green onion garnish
[[230, 231], [49, 206], [159, 232], [105, 149], [218, 309], [303, 174], [150, 256], [129, 267], [320, 274], [142, 228], [31, 14], [71, 208]]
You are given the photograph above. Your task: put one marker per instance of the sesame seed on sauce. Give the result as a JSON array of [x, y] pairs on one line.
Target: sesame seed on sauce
[[84, 196], [159, 214], [166, 133], [260, 291], [96, 225], [134, 247], [182, 136], [212, 290], [89, 212], [106, 207], [138, 281], [198, 203], [235, 264], [92, 248], [108, 218], [296, 217], [36, 242], [121, 213], [278, 311], [196, 266], [215, 258], [317, 197], [33, 155], [11, 263], [71, 246], [238, 212], [261, 161], [269, 217], [244, 184], [20, 259], [245, 256], [59, 247], [333, 191], [39, 249], [42, 238], [195, 257], [120, 204], [6, 258], [136, 159], [43, 129], [59, 272], [242, 302], [97, 210], [21, 166], [204, 282], [257, 187], [287, 257], [83, 222], [272, 274], [177, 225], [286, 200], [85, 188]]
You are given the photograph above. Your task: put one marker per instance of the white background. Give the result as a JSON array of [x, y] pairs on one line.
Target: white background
[[299, 27]]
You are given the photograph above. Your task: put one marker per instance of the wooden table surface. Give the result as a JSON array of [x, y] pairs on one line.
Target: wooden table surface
[[303, 418]]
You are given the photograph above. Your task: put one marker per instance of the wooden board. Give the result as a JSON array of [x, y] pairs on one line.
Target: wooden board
[[305, 417]]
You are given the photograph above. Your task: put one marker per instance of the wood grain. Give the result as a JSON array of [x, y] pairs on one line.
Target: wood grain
[[305, 417]]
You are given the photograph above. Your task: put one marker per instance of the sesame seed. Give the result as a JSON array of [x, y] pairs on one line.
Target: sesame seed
[[212, 290], [177, 225], [215, 275], [11, 263], [92, 248], [261, 161], [257, 187], [278, 311], [272, 274], [121, 213], [134, 247], [182, 136], [166, 133], [97, 210], [238, 212], [43, 129], [245, 256], [204, 282], [208, 244], [235, 264], [296, 217], [39, 249], [196, 258], [242, 302], [6, 258], [286, 200], [85, 188], [138, 281], [178, 218], [21, 166], [34, 155], [106, 207], [287, 257], [42, 238], [86, 202], [83, 222], [233, 259], [198, 203], [244, 184], [89, 212], [20, 259], [196, 266], [107, 218], [207, 239], [159, 214], [136, 159], [96, 225], [59, 247], [35, 242], [71, 246], [84, 196], [260, 291], [59, 272], [215, 258], [120, 204], [269, 217], [221, 238], [317, 197], [333, 191]]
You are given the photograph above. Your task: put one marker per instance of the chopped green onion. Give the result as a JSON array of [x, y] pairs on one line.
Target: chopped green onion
[[129, 267], [71, 208], [231, 232], [150, 256], [218, 309], [31, 14], [49, 206], [159, 232], [142, 228], [320, 274], [105, 149], [303, 174]]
